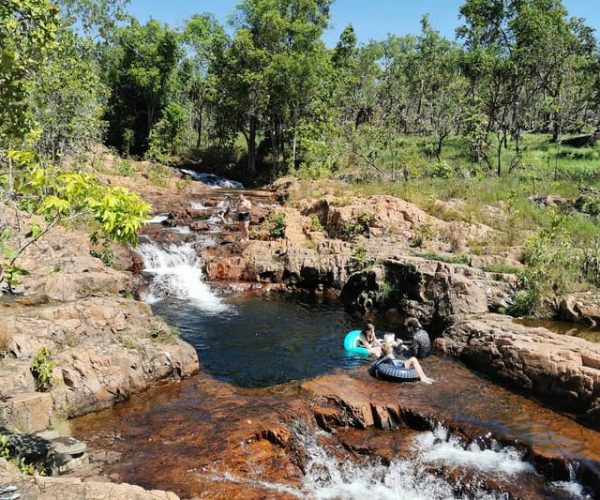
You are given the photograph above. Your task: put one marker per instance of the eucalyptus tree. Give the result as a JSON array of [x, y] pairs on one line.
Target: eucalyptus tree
[[204, 40], [284, 64], [141, 69]]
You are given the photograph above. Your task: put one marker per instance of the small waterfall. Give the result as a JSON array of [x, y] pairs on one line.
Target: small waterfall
[[412, 478], [176, 273], [158, 219]]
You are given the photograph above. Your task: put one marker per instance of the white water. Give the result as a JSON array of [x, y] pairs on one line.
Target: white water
[[158, 219], [212, 180], [176, 273]]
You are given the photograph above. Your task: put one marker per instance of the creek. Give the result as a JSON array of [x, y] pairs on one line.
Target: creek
[[200, 437]]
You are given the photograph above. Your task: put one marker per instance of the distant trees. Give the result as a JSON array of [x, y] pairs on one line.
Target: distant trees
[[271, 87]]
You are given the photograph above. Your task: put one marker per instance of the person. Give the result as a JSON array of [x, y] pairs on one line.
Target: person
[[368, 340], [387, 356], [225, 212], [421, 343], [244, 216]]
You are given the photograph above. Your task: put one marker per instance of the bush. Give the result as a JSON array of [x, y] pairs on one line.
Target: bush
[[41, 369], [278, 224], [358, 227], [168, 134]]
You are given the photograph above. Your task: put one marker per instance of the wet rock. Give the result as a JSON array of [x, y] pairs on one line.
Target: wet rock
[[563, 370]]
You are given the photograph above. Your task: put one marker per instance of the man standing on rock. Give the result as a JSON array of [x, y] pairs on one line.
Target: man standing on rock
[[421, 343]]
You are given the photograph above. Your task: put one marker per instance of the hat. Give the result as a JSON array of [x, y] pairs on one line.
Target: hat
[[413, 323]]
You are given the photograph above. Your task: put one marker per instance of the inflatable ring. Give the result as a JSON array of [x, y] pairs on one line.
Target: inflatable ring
[[351, 343], [394, 371]]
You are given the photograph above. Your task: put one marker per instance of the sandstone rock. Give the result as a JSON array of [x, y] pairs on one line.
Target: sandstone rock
[[581, 308], [26, 411], [104, 349], [429, 289], [563, 370], [51, 488]]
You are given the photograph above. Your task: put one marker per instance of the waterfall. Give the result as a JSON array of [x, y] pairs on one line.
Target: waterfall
[[176, 273], [412, 478]]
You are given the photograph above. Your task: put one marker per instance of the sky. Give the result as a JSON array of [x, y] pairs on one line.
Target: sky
[[372, 19]]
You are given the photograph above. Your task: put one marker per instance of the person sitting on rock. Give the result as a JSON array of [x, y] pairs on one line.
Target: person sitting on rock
[[368, 340], [421, 343], [387, 357]]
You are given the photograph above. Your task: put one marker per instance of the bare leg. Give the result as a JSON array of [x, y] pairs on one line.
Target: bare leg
[[245, 231], [414, 363]]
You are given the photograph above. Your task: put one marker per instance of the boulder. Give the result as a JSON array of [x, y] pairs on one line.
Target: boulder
[[562, 370], [429, 290], [581, 308]]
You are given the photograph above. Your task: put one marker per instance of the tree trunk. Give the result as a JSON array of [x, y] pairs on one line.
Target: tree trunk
[[251, 139]]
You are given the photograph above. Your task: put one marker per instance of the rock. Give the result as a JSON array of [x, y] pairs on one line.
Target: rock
[[428, 290], [581, 308], [588, 201], [51, 488], [563, 370], [551, 201], [103, 349], [27, 411]]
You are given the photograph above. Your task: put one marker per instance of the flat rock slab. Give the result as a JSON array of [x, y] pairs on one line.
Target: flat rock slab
[[563, 370]]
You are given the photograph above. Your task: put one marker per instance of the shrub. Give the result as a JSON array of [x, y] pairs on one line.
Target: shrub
[[354, 228], [168, 134], [501, 267], [315, 223], [278, 224], [41, 368]]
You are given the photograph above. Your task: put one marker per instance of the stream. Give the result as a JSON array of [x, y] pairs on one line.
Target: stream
[[198, 437]]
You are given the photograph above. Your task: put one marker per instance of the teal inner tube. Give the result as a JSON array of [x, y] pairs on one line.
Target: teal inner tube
[[351, 343]]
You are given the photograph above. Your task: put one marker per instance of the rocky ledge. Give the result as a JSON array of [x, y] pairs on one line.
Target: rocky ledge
[[50, 488], [92, 346], [562, 370]]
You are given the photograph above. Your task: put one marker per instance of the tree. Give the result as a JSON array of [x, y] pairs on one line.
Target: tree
[[66, 96], [141, 71], [206, 40], [27, 32], [281, 62]]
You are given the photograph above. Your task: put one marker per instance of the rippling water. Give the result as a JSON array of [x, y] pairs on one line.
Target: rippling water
[[259, 342]]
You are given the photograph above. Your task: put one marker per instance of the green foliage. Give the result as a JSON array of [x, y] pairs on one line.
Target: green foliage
[[168, 134], [358, 227], [66, 97], [42, 368], [315, 223], [449, 259], [141, 70], [125, 168], [278, 223], [501, 267], [27, 32]]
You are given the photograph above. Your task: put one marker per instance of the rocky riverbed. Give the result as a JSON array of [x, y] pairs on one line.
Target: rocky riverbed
[[380, 255]]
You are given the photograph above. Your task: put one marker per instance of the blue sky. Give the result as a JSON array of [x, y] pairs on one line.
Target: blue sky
[[372, 19]]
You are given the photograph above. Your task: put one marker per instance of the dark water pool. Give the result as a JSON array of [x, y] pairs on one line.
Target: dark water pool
[[260, 342]]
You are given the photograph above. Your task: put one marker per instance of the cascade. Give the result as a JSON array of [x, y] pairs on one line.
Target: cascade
[[176, 273]]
